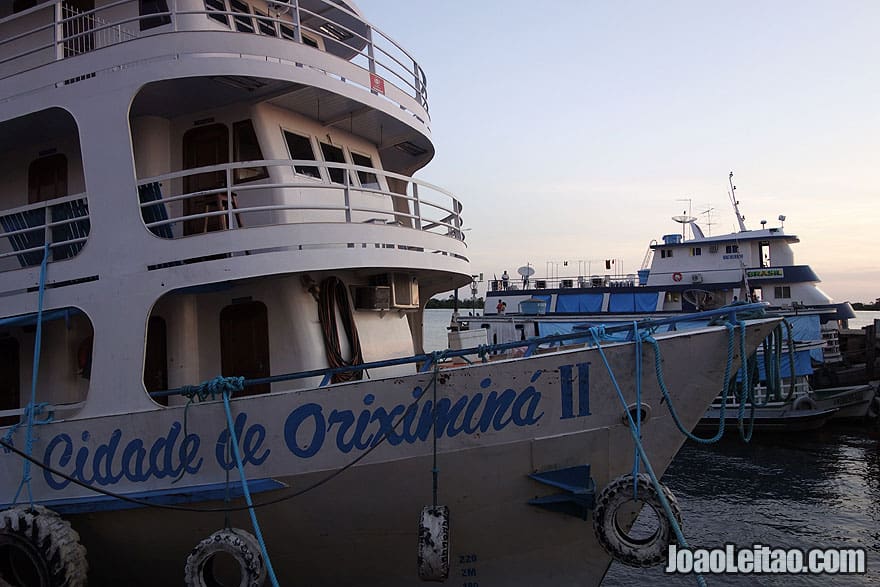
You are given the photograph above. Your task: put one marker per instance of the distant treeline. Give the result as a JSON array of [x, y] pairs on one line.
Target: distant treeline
[[449, 303], [861, 306]]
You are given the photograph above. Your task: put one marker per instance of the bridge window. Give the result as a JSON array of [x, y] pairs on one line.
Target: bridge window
[[20, 5], [696, 251], [334, 154], [153, 7], [242, 19], [246, 147], [782, 292], [665, 253], [215, 8], [732, 249], [300, 147], [367, 179], [265, 24]]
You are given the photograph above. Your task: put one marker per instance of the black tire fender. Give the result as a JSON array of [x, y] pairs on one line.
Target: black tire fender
[[40, 549], [238, 544], [631, 551], [804, 402]]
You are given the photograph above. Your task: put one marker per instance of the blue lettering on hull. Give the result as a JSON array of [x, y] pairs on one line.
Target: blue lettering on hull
[[307, 428]]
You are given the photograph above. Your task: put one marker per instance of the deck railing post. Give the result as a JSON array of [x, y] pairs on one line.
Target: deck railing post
[[417, 209], [297, 24], [47, 235], [229, 203], [347, 194], [371, 56], [418, 82], [58, 31]]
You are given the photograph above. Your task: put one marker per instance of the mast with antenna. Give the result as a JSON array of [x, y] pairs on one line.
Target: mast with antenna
[[739, 217]]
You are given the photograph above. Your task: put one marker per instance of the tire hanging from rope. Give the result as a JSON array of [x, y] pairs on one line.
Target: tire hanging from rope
[[333, 296]]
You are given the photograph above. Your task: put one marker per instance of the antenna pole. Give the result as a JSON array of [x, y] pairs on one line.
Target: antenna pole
[[739, 217]]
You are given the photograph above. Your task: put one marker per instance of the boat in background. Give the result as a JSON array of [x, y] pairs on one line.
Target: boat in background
[[678, 275], [215, 259], [681, 275]]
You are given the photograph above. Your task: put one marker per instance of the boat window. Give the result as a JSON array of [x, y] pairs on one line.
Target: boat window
[[20, 5], [47, 178], [153, 7], [300, 147], [732, 249], [287, 32], [307, 40], [242, 19], [244, 343], [265, 24], [246, 147], [665, 253], [367, 179], [214, 8], [696, 251], [334, 154], [156, 360], [782, 292], [10, 393], [764, 253]]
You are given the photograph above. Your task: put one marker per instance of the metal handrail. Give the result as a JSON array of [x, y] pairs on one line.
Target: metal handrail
[[428, 360], [428, 211], [378, 48]]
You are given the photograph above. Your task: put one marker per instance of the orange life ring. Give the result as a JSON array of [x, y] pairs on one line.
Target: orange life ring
[[676, 276]]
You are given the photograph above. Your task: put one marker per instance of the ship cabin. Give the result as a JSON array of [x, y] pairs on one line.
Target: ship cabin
[[685, 275], [196, 188]]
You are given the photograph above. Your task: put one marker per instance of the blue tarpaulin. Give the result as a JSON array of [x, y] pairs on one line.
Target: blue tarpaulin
[[579, 302]]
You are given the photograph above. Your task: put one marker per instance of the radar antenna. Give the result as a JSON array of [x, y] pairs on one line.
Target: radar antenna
[[739, 217]]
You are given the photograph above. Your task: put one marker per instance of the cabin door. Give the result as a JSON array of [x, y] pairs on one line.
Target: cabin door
[[9, 380], [156, 360], [244, 343], [78, 26], [203, 146], [47, 178]]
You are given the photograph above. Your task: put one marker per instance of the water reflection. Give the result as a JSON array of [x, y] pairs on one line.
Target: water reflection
[[801, 490]]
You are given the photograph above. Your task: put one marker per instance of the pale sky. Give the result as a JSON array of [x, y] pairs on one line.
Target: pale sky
[[572, 130]]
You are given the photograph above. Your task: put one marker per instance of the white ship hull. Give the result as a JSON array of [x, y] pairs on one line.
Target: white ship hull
[[514, 417]]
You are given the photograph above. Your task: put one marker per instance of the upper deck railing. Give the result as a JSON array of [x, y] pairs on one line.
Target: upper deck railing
[[171, 208], [53, 31]]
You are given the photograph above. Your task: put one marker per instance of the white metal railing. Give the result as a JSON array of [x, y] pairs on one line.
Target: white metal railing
[[53, 30], [170, 207], [62, 223], [84, 31]]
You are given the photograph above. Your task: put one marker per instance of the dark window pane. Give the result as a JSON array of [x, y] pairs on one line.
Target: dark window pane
[[300, 147], [333, 154], [215, 6], [367, 179], [153, 7], [246, 148], [243, 23]]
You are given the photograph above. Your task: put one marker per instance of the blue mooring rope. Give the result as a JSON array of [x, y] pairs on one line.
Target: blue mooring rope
[[226, 386], [33, 408], [640, 450]]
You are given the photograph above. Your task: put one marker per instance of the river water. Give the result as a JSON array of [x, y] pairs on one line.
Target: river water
[[818, 489]]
